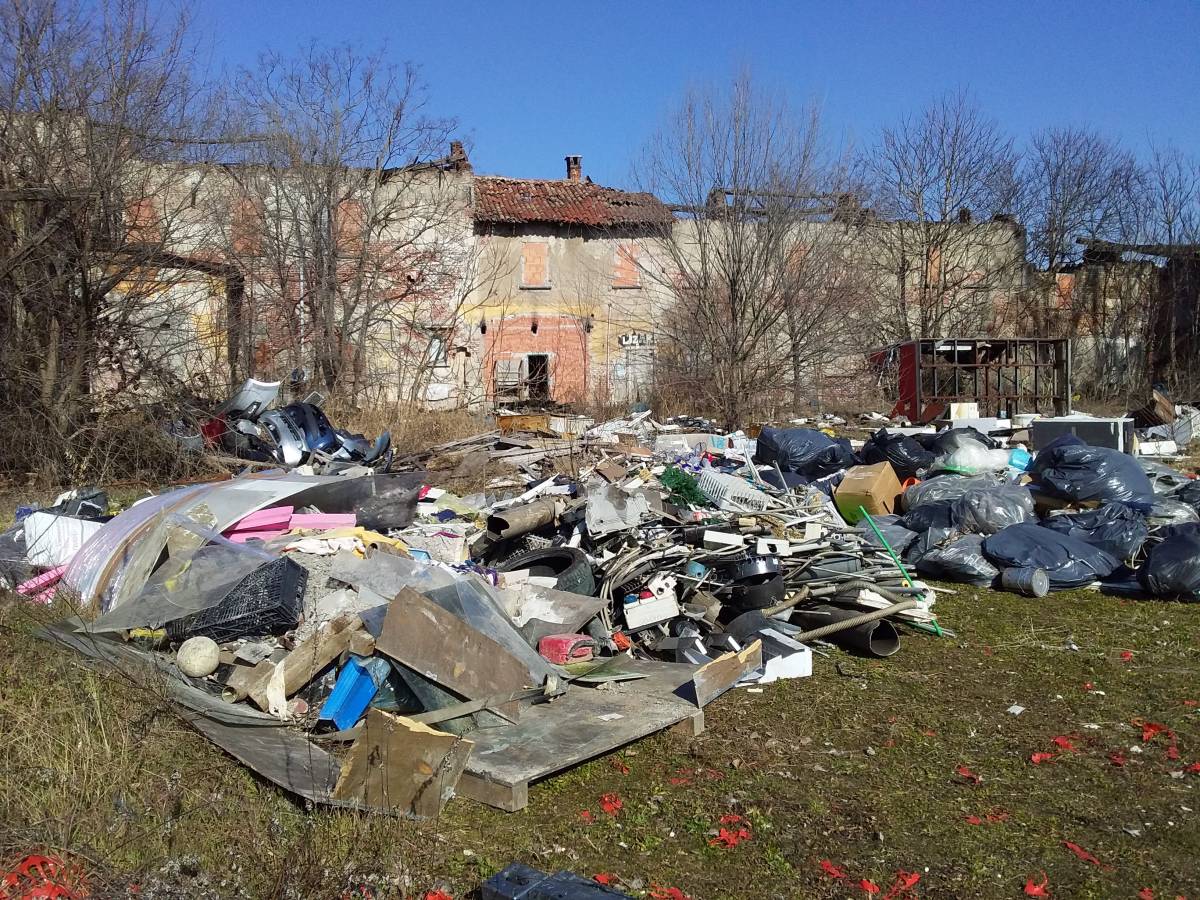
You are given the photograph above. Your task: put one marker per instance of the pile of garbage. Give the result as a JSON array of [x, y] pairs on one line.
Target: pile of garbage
[[371, 640]]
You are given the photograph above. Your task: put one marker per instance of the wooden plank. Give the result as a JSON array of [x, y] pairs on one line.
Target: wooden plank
[[306, 660], [508, 797], [715, 678], [442, 647], [582, 724], [402, 766]]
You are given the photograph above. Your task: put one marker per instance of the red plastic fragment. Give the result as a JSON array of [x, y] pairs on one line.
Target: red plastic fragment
[[1117, 758], [1064, 742], [728, 838], [968, 775], [974, 820], [658, 892], [1150, 729], [1191, 703], [1127, 655], [1172, 752], [1088, 686], [1084, 855], [1037, 890], [831, 870], [869, 886], [437, 895], [905, 882], [1040, 757], [611, 804], [604, 878], [679, 781], [586, 816], [1145, 894], [1193, 768]]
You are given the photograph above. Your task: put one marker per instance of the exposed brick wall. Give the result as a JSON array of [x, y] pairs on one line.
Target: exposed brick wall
[[562, 337]]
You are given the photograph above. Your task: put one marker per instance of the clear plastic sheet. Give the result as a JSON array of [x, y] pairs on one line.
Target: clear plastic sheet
[[192, 580], [991, 509], [463, 595]]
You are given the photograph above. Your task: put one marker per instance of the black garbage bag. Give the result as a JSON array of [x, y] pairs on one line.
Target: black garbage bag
[[804, 451], [1116, 528], [898, 537], [945, 487], [903, 452], [946, 442], [1071, 470], [1169, 511], [932, 514], [1163, 478], [1067, 561], [1189, 494], [1172, 567], [986, 510], [928, 541], [960, 559]]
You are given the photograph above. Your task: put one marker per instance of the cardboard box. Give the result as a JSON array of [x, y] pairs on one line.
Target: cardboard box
[[874, 487]]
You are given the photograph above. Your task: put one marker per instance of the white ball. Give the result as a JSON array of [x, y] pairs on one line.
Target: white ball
[[197, 657]]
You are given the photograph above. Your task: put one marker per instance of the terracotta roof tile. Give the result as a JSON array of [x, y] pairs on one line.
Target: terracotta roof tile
[[527, 201]]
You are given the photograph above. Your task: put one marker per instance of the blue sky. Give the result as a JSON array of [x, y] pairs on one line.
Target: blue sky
[[532, 81]]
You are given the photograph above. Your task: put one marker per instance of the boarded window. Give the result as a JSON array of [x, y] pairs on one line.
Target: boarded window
[[351, 224], [142, 223], [933, 265], [246, 226], [535, 265], [625, 270], [1064, 289]]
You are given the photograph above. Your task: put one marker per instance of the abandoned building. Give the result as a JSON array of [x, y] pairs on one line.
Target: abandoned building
[[453, 289]]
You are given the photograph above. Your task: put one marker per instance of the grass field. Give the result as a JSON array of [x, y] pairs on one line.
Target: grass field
[[858, 766]]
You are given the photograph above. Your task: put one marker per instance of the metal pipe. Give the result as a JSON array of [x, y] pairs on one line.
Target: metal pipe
[[519, 520], [858, 631]]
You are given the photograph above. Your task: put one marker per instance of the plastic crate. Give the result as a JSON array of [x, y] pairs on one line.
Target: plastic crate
[[267, 601], [731, 493]]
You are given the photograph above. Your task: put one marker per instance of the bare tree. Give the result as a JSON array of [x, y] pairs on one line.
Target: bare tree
[[97, 111], [352, 225], [751, 185], [1076, 184], [939, 248], [1168, 222]]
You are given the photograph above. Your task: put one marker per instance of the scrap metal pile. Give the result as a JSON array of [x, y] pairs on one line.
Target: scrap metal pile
[[371, 640]]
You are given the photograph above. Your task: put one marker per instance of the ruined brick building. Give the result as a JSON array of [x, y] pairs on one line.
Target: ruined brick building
[[448, 288]]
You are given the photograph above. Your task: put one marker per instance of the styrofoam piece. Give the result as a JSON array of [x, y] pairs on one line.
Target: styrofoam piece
[[719, 540], [41, 582], [641, 613], [241, 537], [783, 657], [53, 540], [263, 520], [321, 521], [773, 547]]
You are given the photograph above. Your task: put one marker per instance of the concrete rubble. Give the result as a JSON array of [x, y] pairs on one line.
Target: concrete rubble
[[369, 639]]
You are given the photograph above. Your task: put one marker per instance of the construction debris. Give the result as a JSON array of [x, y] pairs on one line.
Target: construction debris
[[368, 639]]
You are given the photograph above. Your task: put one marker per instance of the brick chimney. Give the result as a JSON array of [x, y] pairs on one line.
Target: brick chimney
[[458, 157], [574, 168]]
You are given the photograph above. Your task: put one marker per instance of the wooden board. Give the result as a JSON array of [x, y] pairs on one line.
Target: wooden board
[[402, 766], [581, 725], [442, 647]]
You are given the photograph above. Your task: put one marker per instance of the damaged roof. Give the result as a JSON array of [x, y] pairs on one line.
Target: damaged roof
[[519, 201]]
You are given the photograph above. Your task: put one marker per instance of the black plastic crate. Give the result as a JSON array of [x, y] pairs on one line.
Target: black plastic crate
[[267, 601]]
